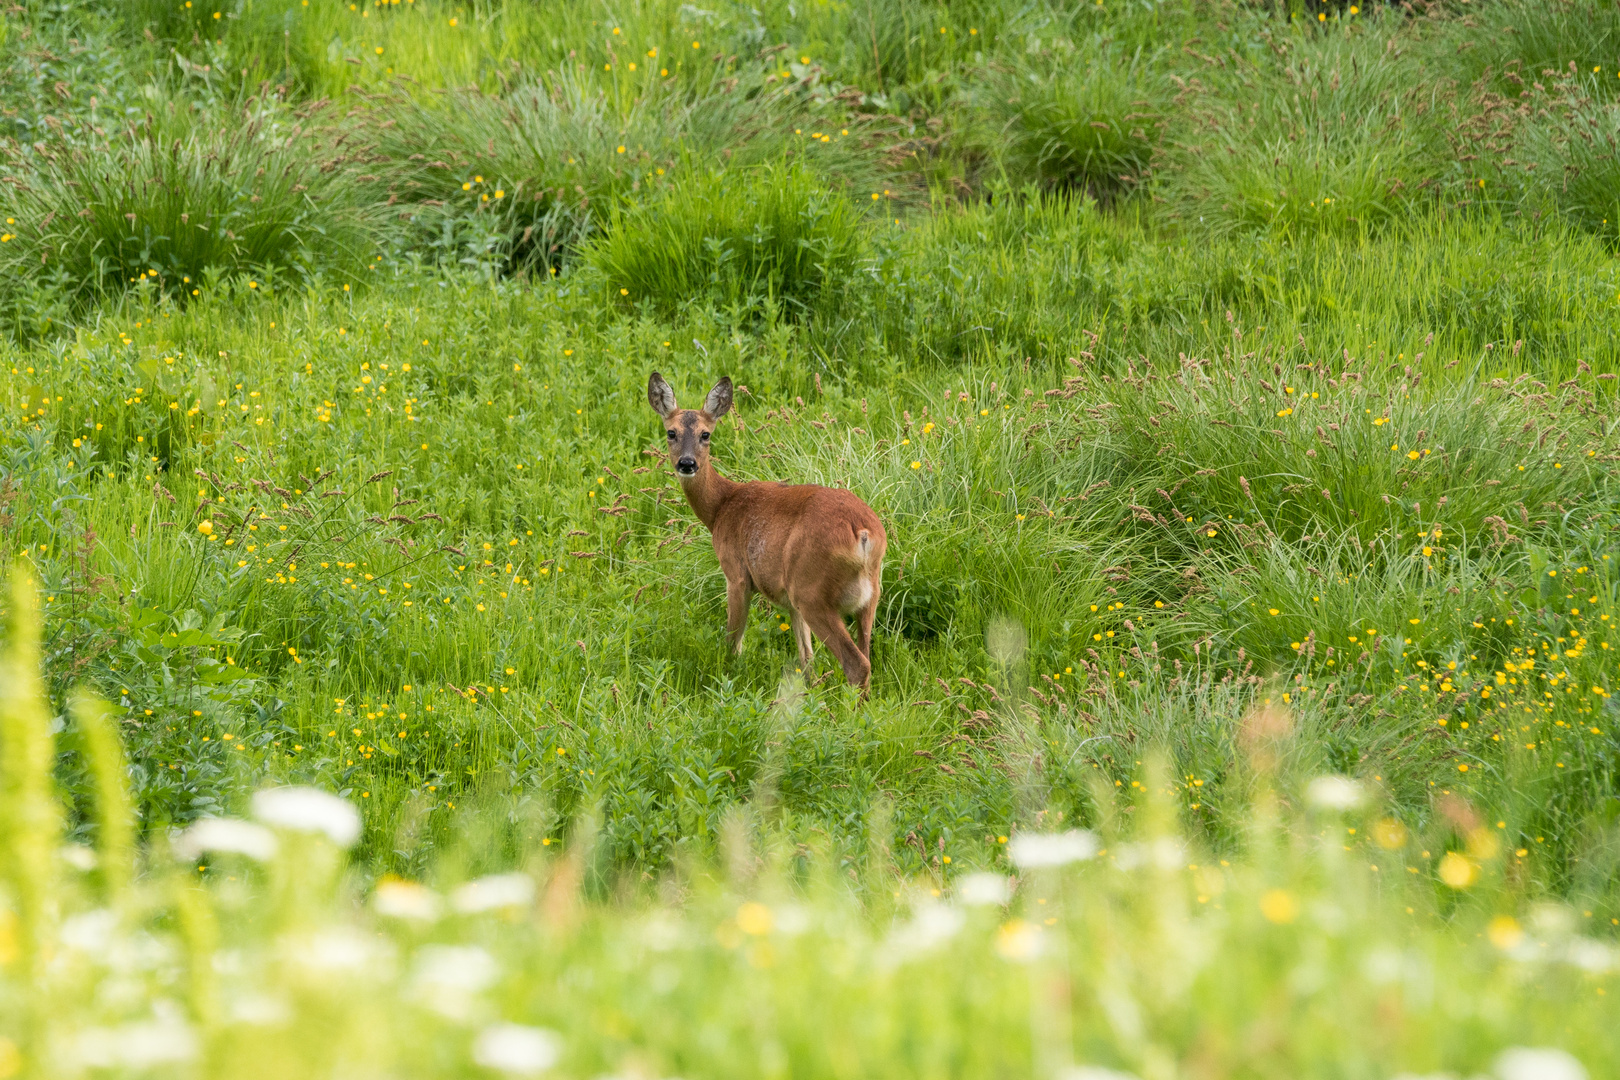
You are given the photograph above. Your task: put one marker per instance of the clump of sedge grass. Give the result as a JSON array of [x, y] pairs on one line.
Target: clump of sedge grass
[[520, 180], [1338, 141], [777, 233], [169, 202], [1573, 134], [1091, 128]]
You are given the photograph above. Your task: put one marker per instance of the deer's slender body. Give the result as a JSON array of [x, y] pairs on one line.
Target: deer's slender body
[[816, 552]]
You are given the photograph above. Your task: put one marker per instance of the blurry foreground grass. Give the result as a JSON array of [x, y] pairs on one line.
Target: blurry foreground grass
[[243, 948]]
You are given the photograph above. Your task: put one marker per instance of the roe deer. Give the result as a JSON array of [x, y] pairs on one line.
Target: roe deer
[[815, 551]]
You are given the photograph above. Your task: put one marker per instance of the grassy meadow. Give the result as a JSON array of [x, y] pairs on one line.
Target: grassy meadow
[[1235, 381]]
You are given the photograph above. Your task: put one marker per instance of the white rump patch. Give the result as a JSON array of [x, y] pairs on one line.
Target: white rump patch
[[857, 594]]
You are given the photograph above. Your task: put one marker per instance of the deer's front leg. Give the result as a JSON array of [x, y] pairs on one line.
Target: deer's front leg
[[736, 613]]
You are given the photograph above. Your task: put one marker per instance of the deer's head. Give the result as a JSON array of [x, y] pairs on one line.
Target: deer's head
[[687, 430]]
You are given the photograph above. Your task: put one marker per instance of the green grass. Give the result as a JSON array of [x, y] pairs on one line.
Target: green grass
[[500, 416], [520, 182], [1290, 456], [778, 236], [171, 204]]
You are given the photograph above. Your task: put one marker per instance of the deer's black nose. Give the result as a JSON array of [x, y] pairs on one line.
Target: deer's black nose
[[686, 466]]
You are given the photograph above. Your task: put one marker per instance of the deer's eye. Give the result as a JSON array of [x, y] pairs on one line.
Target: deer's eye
[[704, 436], [671, 434]]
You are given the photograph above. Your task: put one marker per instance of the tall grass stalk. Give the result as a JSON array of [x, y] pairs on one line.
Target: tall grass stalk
[[30, 808], [115, 833]]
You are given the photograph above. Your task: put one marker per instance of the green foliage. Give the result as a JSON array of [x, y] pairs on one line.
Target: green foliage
[[895, 51], [1523, 41], [517, 182], [1341, 139], [169, 204], [1577, 137], [775, 234], [1042, 489], [520, 181], [1091, 128], [249, 41]]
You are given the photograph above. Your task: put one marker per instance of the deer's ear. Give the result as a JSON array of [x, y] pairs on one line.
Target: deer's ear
[[660, 396], [718, 403]]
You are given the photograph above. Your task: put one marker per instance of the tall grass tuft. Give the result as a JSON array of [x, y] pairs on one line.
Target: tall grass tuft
[[1339, 140], [519, 181], [890, 48], [1570, 137], [1586, 149], [1090, 128], [167, 202], [775, 234]]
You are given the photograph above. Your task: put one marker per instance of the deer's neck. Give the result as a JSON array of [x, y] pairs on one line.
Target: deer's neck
[[708, 492]]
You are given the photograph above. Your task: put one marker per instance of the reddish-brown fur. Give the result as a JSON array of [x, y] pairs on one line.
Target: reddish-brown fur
[[815, 551]]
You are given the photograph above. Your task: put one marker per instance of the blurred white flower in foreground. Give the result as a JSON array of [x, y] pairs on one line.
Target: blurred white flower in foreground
[[78, 856], [448, 978], [406, 900], [792, 919], [496, 891], [1165, 853], [307, 809], [1033, 850], [259, 1010], [462, 967], [1592, 955], [1334, 793], [89, 931], [516, 1049], [336, 949], [663, 930], [164, 1039], [1538, 1063], [226, 835], [932, 925], [979, 890]]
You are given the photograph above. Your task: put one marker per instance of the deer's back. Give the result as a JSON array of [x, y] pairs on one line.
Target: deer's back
[[787, 533]]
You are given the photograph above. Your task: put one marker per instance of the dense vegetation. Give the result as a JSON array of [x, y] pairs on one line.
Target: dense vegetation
[[1235, 381]]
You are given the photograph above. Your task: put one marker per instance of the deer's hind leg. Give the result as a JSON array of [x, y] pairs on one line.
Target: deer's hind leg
[[801, 635], [828, 625], [867, 615]]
